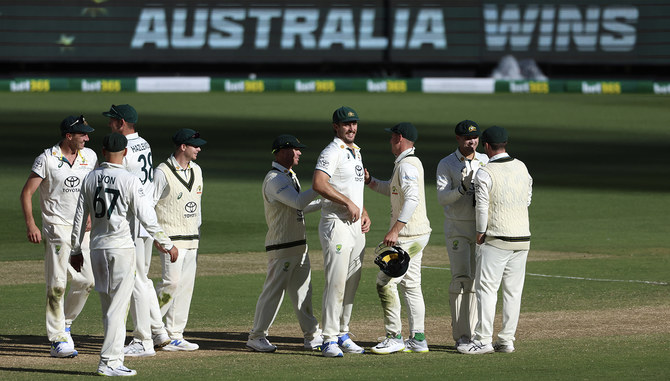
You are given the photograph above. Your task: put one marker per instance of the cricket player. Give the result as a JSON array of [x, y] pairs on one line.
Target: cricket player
[[114, 198], [149, 328], [409, 229], [455, 192], [503, 189], [178, 198], [57, 173], [338, 178], [289, 269]]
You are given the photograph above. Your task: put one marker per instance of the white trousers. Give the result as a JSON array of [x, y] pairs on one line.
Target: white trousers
[[114, 271], [496, 267], [176, 290], [343, 246], [60, 310], [288, 275], [144, 308], [410, 285], [460, 238]]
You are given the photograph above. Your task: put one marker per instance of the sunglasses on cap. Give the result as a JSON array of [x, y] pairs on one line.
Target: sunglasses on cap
[[80, 120]]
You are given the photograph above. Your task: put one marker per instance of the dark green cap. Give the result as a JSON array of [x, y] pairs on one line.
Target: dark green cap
[[286, 141], [125, 112], [72, 124], [189, 137], [494, 134], [114, 142], [345, 114], [467, 128], [406, 129]]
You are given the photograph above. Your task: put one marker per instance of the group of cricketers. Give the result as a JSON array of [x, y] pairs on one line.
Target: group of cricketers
[[100, 221], [99, 224]]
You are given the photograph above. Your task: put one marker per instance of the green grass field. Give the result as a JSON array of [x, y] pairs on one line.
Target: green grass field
[[599, 212]]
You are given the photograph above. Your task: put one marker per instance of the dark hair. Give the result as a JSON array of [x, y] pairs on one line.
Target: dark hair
[[498, 146]]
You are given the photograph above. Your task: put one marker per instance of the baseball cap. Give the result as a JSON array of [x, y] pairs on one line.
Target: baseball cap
[[125, 112], [406, 129], [114, 142], [189, 137], [344, 114], [467, 128], [494, 134], [73, 124], [286, 141]]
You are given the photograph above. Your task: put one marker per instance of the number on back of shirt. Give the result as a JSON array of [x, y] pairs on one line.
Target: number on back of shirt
[[147, 168], [100, 203]]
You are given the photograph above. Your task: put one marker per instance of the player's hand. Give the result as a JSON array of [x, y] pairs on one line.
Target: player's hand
[[88, 223], [480, 238], [34, 234], [391, 238], [77, 260], [365, 222], [367, 178], [466, 181], [174, 253], [354, 212]]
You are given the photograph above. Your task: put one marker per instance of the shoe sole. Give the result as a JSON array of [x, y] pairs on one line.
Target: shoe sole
[[140, 354], [167, 348], [413, 351], [161, 345], [67, 356], [261, 351], [354, 352], [386, 353]]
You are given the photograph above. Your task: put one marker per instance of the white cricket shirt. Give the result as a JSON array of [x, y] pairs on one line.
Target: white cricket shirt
[[114, 198], [344, 165], [457, 206], [61, 182]]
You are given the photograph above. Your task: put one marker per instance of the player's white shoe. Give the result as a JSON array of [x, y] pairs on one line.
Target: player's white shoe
[[331, 349], [348, 345], [261, 344], [503, 348], [137, 349], [391, 344], [180, 345], [63, 349], [416, 346], [161, 340], [315, 344], [104, 370], [463, 340], [476, 347]]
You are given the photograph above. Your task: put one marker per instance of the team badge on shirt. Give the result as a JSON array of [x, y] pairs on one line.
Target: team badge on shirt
[[338, 248]]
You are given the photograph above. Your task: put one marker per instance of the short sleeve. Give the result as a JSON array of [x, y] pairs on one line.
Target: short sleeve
[[39, 166]]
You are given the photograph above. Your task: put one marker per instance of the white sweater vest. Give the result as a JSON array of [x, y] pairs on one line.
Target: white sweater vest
[[418, 224], [508, 201], [179, 213]]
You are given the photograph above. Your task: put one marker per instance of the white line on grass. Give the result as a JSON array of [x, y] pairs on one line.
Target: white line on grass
[[573, 277]]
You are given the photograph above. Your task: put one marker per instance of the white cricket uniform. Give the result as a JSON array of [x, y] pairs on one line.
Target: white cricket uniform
[[144, 307], [178, 197], [115, 199], [59, 192], [503, 190], [289, 268], [342, 241], [460, 236], [408, 205]]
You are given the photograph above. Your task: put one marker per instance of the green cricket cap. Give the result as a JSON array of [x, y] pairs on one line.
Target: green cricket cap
[[345, 114], [467, 128], [73, 124], [406, 129], [189, 137], [286, 141], [125, 112], [495, 134], [114, 142]]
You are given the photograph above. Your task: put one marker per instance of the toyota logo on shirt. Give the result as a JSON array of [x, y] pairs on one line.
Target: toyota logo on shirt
[[191, 207], [72, 182]]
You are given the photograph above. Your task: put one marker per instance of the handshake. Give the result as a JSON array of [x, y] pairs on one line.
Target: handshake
[[467, 187]]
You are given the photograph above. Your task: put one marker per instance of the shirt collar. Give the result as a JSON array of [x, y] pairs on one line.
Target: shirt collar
[[340, 143], [404, 154], [462, 158], [107, 164], [134, 135], [499, 156], [56, 151], [282, 168], [176, 165]]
